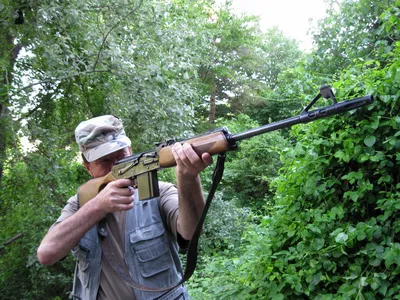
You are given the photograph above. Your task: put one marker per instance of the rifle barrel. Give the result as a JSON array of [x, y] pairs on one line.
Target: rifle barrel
[[306, 116]]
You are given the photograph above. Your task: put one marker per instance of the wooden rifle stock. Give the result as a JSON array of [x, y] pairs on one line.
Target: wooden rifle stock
[[90, 189], [213, 143]]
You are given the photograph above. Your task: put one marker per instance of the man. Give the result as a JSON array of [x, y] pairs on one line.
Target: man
[[144, 235]]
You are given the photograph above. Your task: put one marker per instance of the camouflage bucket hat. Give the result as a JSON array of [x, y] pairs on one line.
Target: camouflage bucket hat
[[101, 136]]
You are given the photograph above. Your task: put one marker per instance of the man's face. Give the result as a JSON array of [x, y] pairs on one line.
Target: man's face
[[103, 165]]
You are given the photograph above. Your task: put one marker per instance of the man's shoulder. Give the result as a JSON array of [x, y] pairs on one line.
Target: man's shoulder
[[73, 198], [73, 202], [72, 206], [69, 209]]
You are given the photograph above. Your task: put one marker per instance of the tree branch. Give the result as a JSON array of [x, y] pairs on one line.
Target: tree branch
[[13, 239], [61, 78], [111, 29]]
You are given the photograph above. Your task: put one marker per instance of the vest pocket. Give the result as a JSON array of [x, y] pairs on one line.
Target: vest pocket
[[84, 257], [179, 293], [154, 259], [151, 250]]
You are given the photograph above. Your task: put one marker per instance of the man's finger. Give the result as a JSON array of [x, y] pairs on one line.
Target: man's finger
[[123, 183], [207, 158], [192, 157]]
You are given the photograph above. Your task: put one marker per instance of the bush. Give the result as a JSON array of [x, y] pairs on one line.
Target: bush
[[335, 230]]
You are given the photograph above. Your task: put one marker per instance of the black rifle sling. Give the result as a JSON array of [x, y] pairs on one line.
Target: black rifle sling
[[191, 257]]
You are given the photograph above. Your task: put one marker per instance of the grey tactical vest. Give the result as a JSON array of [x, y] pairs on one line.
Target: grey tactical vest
[[151, 254]]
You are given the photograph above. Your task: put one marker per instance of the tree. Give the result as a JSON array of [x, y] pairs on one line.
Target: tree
[[69, 61], [262, 98], [231, 57], [13, 17], [352, 29]]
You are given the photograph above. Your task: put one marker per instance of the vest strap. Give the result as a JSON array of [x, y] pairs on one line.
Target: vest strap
[[191, 257]]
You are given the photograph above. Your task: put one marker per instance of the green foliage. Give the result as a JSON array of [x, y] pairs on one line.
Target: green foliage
[[262, 98], [334, 231], [252, 70], [232, 58], [353, 29], [249, 170], [224, 226], [330, 226], [219, 245], [35, 190], [132, 59]]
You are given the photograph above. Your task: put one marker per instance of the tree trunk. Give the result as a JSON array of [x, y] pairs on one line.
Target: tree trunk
[[2, 139], [9, 57], [211, 118]]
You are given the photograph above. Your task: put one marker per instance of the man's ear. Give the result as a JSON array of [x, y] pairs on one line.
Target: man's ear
[[87, 167]]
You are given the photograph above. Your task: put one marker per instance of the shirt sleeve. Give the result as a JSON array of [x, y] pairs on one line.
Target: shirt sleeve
[[169, 208], [69, 209], [169, 205]]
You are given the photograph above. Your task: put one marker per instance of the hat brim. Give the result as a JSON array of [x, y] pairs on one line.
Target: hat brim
[[120, 142]]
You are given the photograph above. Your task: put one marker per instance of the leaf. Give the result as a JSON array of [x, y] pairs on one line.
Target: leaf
[[341, 238], [391, 257], [353, 176], [353, 195], [375, 124], [375, 284], [316, 278], [318, 244], [375, 262], [369, 141], [347, 289], [343, 156]]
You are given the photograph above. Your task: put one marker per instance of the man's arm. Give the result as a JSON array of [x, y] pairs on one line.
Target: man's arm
[[191, 200], [64, 236]]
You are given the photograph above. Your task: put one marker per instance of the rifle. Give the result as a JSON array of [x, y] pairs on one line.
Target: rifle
[[143, 167]]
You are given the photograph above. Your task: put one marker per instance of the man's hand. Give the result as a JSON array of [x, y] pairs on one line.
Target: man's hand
[[188, 163], [57, 243], [116, 196], [191, 202]]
